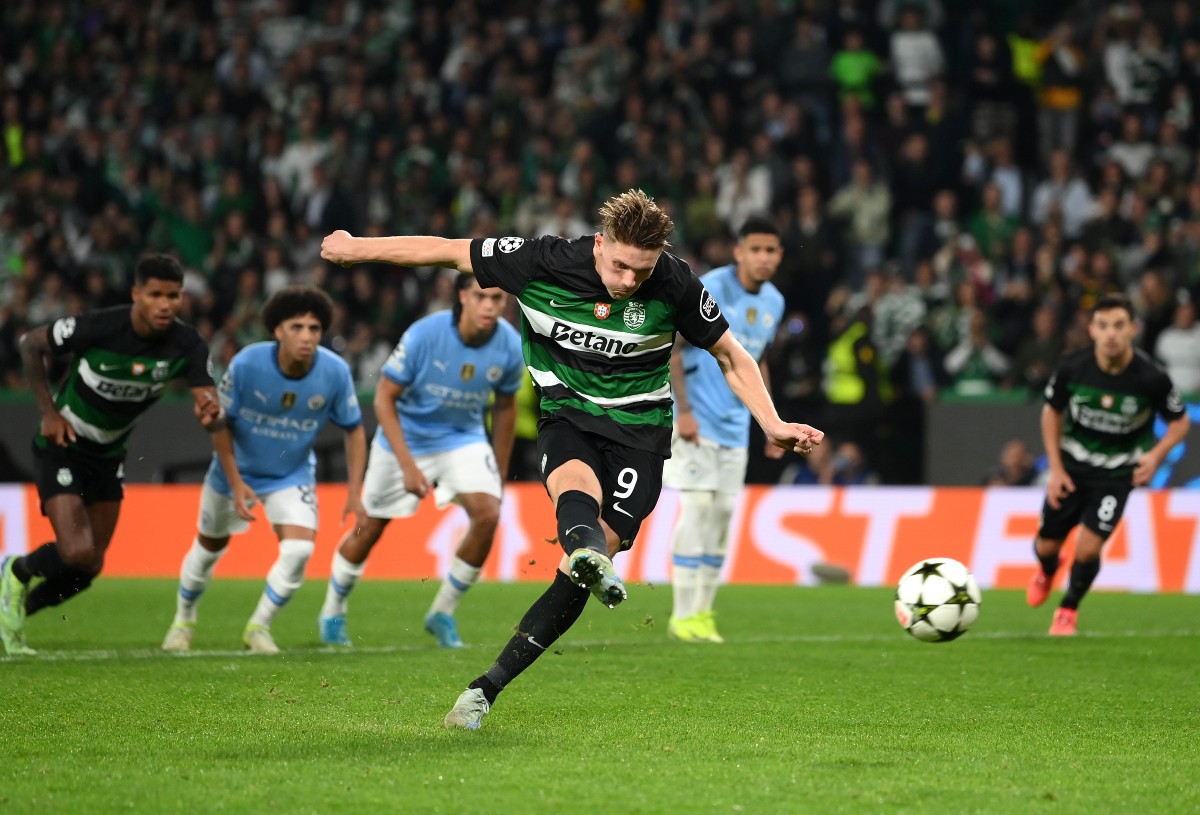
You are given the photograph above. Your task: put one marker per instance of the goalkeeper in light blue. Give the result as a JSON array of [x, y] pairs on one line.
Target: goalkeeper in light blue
[[712, 429], [277, 396], [431, 440]]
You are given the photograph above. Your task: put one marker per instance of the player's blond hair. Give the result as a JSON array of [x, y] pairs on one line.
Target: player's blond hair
[[632, 218]]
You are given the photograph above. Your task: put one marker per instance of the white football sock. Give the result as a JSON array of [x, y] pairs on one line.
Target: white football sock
[[343, 577], [716, 544], [283, 579], [687, 547], [195, 573], [462, 576]]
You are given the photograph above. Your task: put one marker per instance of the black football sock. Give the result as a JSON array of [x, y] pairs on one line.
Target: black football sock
[[579, 523], [43, 561], [1083, 573], [55, 590], [550, 616], [1049, 562]]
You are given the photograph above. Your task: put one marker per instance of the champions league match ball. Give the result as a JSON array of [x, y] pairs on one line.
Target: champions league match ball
[[937, 600]]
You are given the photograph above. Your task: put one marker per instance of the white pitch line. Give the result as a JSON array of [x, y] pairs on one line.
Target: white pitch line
[[149, 654]]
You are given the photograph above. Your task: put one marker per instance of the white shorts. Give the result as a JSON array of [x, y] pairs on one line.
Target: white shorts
[[705, 466], [453, 473], [293, 506]]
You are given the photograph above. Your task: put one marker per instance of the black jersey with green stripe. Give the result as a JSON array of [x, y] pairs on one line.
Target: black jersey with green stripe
[[116, 375], [600, 363], [1108, 419]]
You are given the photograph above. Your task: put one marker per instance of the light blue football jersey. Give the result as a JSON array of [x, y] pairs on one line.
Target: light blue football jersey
[[275, 418], [753, 319], [447, 383]]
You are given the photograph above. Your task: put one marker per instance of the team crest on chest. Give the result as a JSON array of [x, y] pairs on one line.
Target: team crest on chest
[[467, 372], [602, 310], [751, 315], [288, 400], [316, 402], [138, 368], [494, 373], [634, 315], [161, 369]]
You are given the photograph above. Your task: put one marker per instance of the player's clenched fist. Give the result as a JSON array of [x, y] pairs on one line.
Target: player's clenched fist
[[337, 248]]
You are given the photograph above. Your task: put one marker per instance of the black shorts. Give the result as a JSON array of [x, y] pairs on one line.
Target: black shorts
[[1097, 503], [631, 479], [63, 471]]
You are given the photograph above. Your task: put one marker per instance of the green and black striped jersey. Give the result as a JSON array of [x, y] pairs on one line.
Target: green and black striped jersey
[[1108, 419], [116, 375], [603, 364]]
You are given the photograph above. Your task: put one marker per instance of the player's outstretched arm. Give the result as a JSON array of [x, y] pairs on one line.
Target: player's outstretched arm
[[405, 250], [746, 381], [35, 347]]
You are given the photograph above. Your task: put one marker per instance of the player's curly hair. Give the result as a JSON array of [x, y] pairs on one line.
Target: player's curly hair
[[632, 218], [296, 301]]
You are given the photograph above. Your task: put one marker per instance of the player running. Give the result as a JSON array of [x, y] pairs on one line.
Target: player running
[[430, 403], [277, 395], [598, 316], [712, 429], [1098, 431], [124, 357]]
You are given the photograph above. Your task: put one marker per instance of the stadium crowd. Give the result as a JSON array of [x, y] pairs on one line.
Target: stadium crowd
[[956, 182]]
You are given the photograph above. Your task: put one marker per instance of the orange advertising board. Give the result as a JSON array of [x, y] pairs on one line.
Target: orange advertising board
[[777, 535]]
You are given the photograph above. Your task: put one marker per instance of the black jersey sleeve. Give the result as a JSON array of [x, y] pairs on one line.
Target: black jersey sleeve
[[508, 263], [72, 335], [199, 371], [1167, 401], [699, 318], [1056, 392]]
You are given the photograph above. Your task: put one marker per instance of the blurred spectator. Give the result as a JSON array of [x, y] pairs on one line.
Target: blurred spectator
[[1178, 348], [1039, 354], [1016, 466], [975, 365]]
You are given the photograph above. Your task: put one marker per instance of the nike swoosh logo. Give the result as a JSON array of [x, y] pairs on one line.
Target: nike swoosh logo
[[572, 529], [104, 367], [535, 642], [556, 305], [617, 508]]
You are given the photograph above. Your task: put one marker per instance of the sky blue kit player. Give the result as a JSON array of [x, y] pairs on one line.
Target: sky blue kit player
[[277, 397], [275, 419], [753, 318], [430, 403], [709, 448], [447, 383]]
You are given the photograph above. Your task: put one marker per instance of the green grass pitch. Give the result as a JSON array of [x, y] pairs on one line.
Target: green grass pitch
[[817, 703]]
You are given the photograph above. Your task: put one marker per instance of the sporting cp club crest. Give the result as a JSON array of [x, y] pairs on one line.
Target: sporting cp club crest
[[602, 310], [467, 372], [288, 400], [635, 315]]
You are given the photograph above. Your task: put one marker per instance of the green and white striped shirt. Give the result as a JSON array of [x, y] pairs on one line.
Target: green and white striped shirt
[[604, 365], [116, 375]]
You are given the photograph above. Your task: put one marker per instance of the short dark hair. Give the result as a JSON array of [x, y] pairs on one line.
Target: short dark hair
[[296, 301], [758, 225], [462, 282], [632, 218], [1107, 302], [157, 267]]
